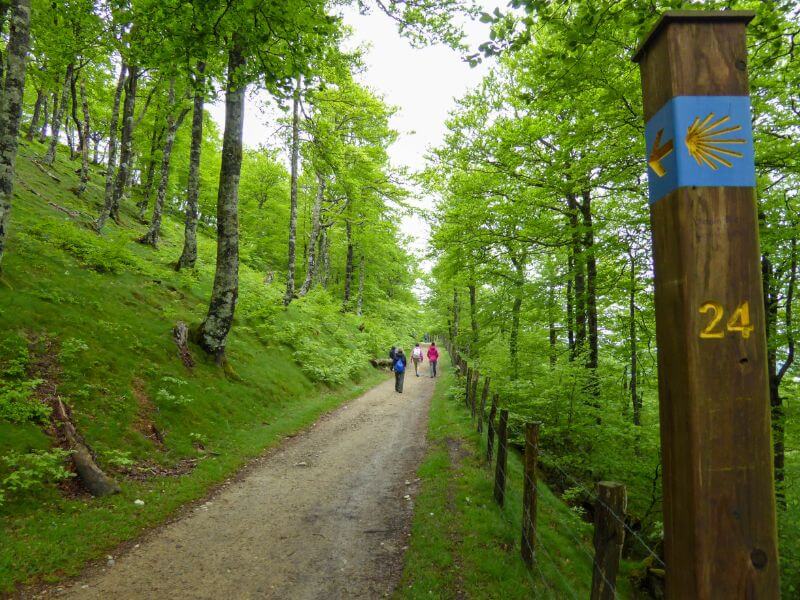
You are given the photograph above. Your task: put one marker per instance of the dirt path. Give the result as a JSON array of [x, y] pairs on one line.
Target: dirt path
[[323, 517]]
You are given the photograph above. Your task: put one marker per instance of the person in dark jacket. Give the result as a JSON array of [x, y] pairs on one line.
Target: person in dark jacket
[[393, 354], [399, 368]]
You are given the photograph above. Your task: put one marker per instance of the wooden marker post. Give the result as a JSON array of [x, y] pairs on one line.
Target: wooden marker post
[[502, 459], [719, 508], [529, 493]]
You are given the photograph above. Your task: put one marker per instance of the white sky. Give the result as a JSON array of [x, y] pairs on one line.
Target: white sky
[[422, 83]]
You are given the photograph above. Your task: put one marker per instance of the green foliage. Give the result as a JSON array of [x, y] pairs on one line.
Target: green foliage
[[17, 405], [119, 459], [16, 402], [31, 471], [96, 253], [324, 342]]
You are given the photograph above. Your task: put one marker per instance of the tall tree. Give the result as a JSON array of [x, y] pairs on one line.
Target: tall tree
[[295, 165], [188, 256], [11, 108]]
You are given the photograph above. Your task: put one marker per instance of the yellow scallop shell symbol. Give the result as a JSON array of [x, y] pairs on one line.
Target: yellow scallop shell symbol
[[707, 144]]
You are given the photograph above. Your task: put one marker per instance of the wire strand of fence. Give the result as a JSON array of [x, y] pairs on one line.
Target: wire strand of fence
[[532, 549], [543, 548], [580, 544], [539, 544], [596, 498]]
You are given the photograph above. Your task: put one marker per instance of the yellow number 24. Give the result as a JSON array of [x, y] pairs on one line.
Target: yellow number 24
[[739, 321]]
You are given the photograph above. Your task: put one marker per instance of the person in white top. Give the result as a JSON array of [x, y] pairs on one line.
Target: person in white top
[[416, 358]]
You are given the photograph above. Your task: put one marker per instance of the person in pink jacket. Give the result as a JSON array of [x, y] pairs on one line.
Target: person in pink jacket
[[433, 357]]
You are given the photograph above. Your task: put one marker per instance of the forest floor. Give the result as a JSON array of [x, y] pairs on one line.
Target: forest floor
[[326, 515]]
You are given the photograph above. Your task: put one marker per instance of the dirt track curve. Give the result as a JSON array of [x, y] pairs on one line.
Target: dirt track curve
[[322, 517]]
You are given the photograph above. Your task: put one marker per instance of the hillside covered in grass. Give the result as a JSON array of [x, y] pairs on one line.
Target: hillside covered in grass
[[88, 318]]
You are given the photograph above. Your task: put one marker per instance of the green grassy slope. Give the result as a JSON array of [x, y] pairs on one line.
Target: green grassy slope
[[464, 545], [102, 309]]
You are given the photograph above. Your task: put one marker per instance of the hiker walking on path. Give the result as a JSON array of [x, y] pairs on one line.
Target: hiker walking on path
[[433, 357], [399, 367], [416, 358]]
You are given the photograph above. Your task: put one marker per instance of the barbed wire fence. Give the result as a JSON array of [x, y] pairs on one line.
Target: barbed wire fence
[[611, 525]]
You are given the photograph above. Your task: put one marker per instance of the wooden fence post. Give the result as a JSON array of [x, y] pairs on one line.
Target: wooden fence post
[[720, 537], [490, 436], [474, 392], [502, 459], [484, 395], [529, 493], [609, 535]]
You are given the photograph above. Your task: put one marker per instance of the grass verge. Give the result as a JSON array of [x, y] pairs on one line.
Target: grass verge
[[463, 545]]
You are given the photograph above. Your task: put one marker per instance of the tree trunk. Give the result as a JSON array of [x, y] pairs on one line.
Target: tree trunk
[[155, 140], [348, 266], [84, 139], [776, 402], [316, 216], [173, 124], [771, 298], [73, 90], [112, 150], [5, 6], [90, 475], [456, 314], [362, 268], [570, 308], [591, 292], [778, 416], [33, 128], [68, 132], [290, 273], [551, 324], [126, 142], [45, 120], [53, 113], [578, 275], [473, 315], [214, 330], [189, 254], [513, 340], [591, 280], [11, 109], [58, 117], [324, 258], [635, 400], [96, 152]]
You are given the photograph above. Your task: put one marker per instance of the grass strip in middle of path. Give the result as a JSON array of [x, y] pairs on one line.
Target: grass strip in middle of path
[[462, 544]]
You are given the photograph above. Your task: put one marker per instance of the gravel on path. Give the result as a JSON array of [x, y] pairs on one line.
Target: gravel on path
[[327, 515]]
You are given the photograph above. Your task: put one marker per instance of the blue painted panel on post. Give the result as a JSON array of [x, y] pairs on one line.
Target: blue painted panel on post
[[700, 141]]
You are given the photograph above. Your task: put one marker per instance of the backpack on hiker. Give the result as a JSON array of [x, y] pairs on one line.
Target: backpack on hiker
[[399, 366]]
